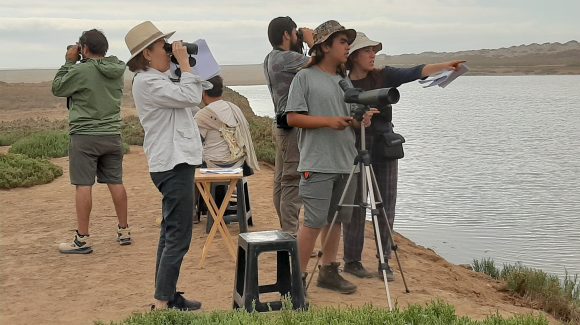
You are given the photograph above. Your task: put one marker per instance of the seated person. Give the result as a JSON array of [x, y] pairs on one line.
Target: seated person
[[224, 131], [225, 135]]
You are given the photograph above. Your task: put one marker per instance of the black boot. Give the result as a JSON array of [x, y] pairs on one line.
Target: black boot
[[390, 274], [357, 269], [329, 278]]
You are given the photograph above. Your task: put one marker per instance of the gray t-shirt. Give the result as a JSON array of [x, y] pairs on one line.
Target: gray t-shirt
[[322, 150], [280, 67]]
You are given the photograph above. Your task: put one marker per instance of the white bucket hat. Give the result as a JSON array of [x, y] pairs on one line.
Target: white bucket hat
[[362, 41], [143, 35]]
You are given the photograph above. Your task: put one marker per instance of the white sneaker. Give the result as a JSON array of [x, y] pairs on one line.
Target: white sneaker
[[124, 236], [79, 245]]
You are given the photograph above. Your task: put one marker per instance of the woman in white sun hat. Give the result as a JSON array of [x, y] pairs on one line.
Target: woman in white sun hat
[[173, 147], [364, 75]]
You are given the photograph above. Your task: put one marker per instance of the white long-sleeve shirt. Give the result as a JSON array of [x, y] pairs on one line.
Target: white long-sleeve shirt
[[171, 133]]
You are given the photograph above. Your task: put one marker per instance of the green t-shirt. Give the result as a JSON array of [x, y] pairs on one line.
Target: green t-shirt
[[95, 88], [322, 150]]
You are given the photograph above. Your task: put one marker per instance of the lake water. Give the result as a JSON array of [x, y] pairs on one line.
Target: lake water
[[491, 168]]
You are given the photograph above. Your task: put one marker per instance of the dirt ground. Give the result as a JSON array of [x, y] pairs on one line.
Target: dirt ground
[[41, 286]]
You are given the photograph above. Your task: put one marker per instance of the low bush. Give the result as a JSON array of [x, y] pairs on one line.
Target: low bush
[[22, 171], [434, 313], [12, 131], [50, 144], [132, 131], [560, 298]]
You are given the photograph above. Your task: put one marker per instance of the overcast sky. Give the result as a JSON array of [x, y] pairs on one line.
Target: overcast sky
[[34, 34]]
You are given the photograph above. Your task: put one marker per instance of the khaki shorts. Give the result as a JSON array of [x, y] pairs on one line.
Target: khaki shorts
[[320, 193], [93, 156]]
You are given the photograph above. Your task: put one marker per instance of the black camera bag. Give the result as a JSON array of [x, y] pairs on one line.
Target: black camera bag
[[388, 145]]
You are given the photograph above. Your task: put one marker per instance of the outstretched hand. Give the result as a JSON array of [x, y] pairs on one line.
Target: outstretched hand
[[454, 65]]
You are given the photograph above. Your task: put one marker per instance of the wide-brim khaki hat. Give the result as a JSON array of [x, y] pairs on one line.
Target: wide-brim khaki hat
[[143, 35], [327, 29], [362, 41]]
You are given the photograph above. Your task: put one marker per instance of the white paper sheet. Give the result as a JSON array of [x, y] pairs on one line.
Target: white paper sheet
[[206, 67], [220, 170], [443, 79]]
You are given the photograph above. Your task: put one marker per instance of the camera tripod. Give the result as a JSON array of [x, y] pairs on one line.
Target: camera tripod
[[369, 186]]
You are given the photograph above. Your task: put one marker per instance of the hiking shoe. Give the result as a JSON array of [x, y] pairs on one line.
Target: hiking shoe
[[124, 236], [357, 269], [180, 303], [390, 274], [79, 245], [329, 278]]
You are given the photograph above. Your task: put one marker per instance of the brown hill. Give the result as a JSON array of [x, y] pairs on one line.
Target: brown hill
[[547, 58]]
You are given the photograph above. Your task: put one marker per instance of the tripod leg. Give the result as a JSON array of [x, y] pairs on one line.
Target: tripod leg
[[373, 201], [340, 205], [375, 186]]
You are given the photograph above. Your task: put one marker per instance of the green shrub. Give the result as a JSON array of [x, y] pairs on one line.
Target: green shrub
[[22, 171], [126, 148], [487, 266], [559, 298], [51, 144], [132, 131], [434, 313], [261, 130], [12, 131]]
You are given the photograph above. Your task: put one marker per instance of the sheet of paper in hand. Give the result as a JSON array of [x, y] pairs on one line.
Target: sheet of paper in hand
[[206, 67], [444, 78], [220, 170]]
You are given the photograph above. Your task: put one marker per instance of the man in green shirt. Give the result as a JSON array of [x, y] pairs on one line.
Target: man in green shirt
[[93, 88]]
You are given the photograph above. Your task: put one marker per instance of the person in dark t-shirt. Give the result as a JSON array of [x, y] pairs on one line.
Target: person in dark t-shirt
[[364, 75]]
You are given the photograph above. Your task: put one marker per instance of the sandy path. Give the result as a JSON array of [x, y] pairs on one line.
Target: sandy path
[[41, 286]]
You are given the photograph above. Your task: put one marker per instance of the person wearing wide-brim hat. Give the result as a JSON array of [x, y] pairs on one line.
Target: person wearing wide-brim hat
[[364, 75], [173, 147], [327, 148]]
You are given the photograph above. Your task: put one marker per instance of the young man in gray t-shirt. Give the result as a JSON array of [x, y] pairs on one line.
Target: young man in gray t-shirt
[[327, 149], [280, 67]]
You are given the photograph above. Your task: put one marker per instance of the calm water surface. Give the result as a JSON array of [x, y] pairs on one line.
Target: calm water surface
[[491, 168]]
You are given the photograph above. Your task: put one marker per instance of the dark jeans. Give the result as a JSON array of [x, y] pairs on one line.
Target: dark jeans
[[386, 172], [176, 186]]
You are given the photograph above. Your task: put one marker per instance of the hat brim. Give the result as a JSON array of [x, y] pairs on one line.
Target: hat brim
[[377, 46], [144, 46], [350, 35]]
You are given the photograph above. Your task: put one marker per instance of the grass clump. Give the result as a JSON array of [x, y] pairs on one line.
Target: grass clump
[[22, 171], [487, 266], [50, 144], [262, 137], [547, 291], [132, 131], [434, 313], [12, 131]]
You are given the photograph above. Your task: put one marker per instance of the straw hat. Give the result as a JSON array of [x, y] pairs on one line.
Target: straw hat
[[326, 29], [362, 41], [141, 36]]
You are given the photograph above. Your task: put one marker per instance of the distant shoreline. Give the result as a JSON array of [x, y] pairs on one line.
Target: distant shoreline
[[250, 75]]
